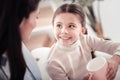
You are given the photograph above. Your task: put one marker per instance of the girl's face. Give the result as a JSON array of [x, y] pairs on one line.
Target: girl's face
[[67, 28]]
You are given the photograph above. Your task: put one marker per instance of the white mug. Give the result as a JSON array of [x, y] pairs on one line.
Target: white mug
[[98, 68]]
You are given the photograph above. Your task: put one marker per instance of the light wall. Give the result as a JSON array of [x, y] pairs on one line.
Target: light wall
[[110, 17]]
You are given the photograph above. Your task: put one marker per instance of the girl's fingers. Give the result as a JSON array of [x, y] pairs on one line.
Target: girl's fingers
[[110, 73]]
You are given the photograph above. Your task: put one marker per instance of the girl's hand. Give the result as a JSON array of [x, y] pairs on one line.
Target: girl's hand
[[113, 64], [88, 77]]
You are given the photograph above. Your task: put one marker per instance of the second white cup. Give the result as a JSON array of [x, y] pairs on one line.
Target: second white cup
[[98, 67]]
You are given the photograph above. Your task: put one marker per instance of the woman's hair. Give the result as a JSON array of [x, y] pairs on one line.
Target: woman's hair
[[71, 8], [12, 13]]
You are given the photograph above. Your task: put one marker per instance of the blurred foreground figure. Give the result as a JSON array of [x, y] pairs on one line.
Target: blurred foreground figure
[[17, 20]]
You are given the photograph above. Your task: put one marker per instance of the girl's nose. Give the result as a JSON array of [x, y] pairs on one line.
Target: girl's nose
[[64, 30]]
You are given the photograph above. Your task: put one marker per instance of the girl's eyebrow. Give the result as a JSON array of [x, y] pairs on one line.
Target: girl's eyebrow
[[59, 22], [72, 23]]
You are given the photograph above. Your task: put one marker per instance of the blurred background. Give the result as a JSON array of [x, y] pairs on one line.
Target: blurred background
[[102, 13]]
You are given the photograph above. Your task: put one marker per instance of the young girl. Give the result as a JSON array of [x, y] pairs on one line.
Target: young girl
[[72, 51]]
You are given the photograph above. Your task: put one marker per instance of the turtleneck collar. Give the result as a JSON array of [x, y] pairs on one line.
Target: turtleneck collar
[[69, 47]]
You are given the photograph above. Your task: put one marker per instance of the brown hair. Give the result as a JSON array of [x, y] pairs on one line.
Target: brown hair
[[71, 8]]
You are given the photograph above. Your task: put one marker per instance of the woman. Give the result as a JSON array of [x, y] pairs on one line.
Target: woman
[[17, 19]]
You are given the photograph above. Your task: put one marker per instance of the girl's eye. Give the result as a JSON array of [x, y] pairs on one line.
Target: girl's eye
[[59, 26], [71, 26]]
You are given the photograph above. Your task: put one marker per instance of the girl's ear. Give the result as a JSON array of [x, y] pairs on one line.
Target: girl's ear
[[84, 30]]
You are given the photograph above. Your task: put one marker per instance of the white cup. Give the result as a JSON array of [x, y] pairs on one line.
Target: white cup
[[98, 68]]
